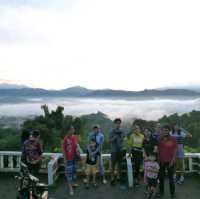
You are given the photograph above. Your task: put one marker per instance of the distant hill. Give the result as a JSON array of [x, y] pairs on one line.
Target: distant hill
[[11, 86], [21, 94], [192, 87]]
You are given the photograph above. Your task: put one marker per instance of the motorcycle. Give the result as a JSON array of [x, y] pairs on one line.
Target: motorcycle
[[29, 187]]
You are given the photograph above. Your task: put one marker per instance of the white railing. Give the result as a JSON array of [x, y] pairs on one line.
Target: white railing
[[53, 164]]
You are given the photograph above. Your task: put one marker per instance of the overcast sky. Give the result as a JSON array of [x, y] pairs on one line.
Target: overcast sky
[[129, 45]]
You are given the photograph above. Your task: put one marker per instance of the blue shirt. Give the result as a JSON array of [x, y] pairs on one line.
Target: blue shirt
[[99, 138]]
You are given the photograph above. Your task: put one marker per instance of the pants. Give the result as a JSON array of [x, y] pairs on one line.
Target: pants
[[137, 161], [101, 166], [170, 171], [116, 159], [70, 170], [179, 165]]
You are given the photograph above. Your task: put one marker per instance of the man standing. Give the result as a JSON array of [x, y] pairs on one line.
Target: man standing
[[32, 153], [167, 147], [116, 139], [98, 136]]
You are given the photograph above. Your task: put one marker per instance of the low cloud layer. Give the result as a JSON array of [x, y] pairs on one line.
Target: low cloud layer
[[127, 109]]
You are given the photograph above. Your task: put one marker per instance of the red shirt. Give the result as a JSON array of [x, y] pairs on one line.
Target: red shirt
[[69, 147], [167, 147]]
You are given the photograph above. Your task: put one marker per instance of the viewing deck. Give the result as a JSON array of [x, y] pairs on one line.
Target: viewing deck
[[189, 190], [52, 173]]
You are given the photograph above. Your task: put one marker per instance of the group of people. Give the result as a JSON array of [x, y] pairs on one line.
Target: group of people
[[159, 151]]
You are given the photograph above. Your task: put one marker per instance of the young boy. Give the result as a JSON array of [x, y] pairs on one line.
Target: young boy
[[152, 170], [91, 162]]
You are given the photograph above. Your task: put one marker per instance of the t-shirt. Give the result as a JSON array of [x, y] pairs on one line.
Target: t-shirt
[[99, 138], [149, 145], [137, 140], [180, 137], [92, 155], [32, 151], [70, 148], [152, 166], [117, 136], [167, 147]]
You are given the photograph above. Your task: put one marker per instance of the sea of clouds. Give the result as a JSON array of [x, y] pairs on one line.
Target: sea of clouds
[[149, 109]]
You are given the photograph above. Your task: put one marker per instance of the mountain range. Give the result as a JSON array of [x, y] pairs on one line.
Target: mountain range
[[14, 91]]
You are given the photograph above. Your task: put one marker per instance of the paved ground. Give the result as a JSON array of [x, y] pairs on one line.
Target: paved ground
[[190, 190]]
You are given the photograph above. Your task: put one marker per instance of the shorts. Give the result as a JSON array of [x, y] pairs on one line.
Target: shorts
[[152, 182], [70, 170], [91, 169]]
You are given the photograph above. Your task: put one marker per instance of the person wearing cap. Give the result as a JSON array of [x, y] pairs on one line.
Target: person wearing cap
[[167, 147], [116, 139], [32, 153], [98, 136]]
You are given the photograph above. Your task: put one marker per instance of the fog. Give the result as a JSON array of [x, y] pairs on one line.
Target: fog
[[151, 109]]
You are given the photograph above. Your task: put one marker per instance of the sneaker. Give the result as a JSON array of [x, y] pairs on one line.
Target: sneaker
[[71, 193], [181, 179], [104, 181], [95, 185]]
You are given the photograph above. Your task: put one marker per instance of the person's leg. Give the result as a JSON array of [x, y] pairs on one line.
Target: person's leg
[[136, 160], [119, 164], [101, 169], [87, 172], [74, 174], [181, 180], [113, 165], [161, 178], [140, 159], [69, 176], [170, 170], [94, 171]]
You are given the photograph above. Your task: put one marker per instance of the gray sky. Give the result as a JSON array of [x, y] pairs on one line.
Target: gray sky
[[114, 44]]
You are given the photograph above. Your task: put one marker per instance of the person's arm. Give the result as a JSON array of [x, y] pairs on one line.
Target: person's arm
[[185, 133], [112, 137], [64, 148], [174, 154]]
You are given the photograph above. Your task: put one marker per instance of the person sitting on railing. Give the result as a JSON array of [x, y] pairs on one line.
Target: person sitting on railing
[[180, 134], [32, 153], [91, 162], [98, 136], [71, 155], [116, 139]]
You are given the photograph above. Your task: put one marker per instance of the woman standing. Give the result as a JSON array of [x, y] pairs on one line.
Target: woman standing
[[180, 134], [136, 141], [71, 154]]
